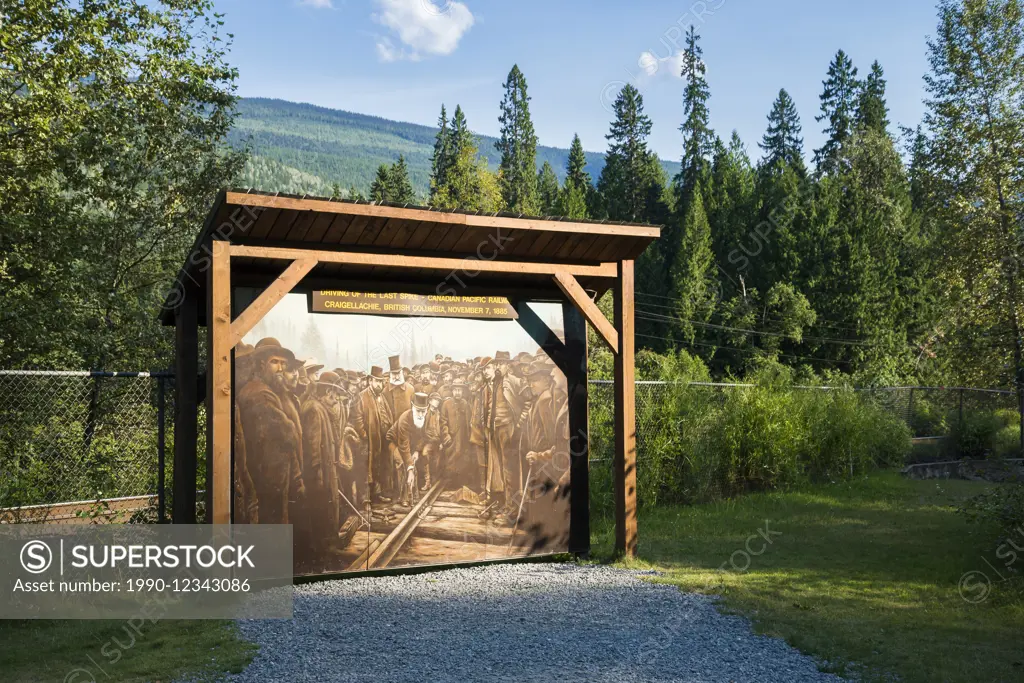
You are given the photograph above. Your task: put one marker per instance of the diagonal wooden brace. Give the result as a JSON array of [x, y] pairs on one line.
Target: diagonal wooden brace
[[572, 289], [270, 297]]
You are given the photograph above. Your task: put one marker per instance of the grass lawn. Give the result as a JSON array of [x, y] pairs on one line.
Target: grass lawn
[[81, 651], [864, 575]]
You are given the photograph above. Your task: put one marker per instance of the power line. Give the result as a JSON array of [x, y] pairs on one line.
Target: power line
[[846, 342], [775, 320], [843, 326], [741, 350]]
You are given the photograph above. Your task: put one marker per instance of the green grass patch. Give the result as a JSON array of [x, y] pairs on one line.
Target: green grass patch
[[50, 650], [861, 574]]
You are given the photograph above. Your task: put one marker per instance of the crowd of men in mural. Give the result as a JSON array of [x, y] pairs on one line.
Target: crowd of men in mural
[[315, 447]]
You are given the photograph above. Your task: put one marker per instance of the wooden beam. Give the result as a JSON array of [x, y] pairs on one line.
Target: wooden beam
[[543, 335], [270, 297], [567, 283], [625, 417], [579, 439], [421, 214], [458, 266], [186, 407], [218, 388]]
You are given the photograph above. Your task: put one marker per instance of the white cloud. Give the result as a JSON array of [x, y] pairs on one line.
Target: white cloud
[[389, 52], [318, 4], [653, 66], [424, 27]]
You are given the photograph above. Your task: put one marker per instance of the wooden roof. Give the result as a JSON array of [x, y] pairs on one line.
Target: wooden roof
[[253, 218]]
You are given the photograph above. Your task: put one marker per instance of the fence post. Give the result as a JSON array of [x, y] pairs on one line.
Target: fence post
[[960, 419], [910, 412], [160, 448]]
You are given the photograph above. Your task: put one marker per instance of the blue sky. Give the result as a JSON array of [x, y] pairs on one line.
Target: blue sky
[[401, 59]]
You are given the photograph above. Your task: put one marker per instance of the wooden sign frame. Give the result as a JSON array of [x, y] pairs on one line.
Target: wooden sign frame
[[220, 261]]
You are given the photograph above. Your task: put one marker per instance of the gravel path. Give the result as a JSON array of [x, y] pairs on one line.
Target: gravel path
[[524, 622]]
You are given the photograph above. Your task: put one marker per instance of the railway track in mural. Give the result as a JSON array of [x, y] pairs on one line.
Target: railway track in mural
[[442, 527]]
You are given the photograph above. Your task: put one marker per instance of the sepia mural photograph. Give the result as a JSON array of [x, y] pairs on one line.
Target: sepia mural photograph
[[397, 429]]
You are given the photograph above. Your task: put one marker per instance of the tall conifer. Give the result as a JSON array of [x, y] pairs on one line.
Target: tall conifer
[[838, 107], [518, 147], [783, 141]]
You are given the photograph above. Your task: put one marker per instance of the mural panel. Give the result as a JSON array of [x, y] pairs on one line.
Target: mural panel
[[397, 430]]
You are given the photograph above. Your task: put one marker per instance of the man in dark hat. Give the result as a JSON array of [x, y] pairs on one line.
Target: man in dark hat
[[298, 509], [447, 377], [409, 440], [479, 411], [461, 463], [372, 419], [398, 392], [539, 429], [273, 437], [320, 447], [433, 467], [435, 376], [503, 399], [348, 440], [246, 504], [353, 388], [423, 383]]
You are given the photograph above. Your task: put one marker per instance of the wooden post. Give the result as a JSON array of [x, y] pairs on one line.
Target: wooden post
[[186, 408], [625, 416], [218, 386], [579, 445]]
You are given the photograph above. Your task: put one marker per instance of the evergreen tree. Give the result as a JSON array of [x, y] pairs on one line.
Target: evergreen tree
[[399, 187], [576, 167], [547, 190], [693, 277], [731, 207], [862, 219], [698, 140], [838, 108], [518, 147], [468, 184], [782, 141], [626, 178], [442, 156], [380, 188], [572, 202], [872, 111]]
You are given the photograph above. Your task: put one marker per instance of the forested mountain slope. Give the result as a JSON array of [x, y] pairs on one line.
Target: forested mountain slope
[[304, 148]]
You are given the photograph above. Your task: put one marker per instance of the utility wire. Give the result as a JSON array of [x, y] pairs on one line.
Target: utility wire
[[667, 318], [774, 320], [843, 326], [741, 350]]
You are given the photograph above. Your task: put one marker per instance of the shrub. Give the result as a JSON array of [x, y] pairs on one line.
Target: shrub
[[699, 443], [982, 433]]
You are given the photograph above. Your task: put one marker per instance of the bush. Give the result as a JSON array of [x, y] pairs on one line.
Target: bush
[[929, 419], [700, 443], [984, 433]]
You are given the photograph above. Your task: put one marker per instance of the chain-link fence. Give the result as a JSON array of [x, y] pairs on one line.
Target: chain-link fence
[[81, 446], [96, 446], [939, 411]]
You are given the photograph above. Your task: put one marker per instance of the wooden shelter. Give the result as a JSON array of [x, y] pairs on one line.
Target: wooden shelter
[[280, 243]]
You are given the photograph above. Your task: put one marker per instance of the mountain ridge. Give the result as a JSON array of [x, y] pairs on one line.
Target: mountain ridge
[[306, 148]]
